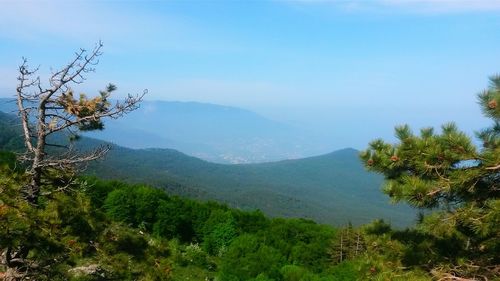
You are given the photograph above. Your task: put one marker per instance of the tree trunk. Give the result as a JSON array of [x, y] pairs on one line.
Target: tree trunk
[[34, 187], [13, 261], [36, 168], [357, 245], [341, 245]]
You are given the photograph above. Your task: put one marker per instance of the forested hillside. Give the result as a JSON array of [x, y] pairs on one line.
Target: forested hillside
[[109, 230], [332, 188]]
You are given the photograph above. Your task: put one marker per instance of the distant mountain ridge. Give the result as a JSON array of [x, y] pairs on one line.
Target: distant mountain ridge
[[212, 132]]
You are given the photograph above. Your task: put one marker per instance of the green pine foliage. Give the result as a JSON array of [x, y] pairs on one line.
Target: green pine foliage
[[65, 238], [445, 172]]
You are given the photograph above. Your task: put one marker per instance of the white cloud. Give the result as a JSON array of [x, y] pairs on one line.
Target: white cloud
[[30, 20], [444, 5], [121, 25], [417, 6]]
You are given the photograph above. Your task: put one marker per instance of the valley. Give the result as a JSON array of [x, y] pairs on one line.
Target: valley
[[333, 188]]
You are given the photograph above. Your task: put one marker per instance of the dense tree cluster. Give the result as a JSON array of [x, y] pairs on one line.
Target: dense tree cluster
[[245, 244], [113, 231], [109, 230]]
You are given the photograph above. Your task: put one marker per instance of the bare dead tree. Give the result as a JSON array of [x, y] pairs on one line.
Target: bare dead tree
[[348, 244], [47, 111]]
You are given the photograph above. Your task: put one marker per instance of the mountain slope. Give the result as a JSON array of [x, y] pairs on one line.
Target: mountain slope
[[332, 188]]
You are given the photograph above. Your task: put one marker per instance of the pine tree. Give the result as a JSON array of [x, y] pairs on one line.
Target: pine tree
[[33, 220], [447, 173], [45, 111]]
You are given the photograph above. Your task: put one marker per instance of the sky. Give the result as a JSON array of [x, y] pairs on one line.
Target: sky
[[350, 69]]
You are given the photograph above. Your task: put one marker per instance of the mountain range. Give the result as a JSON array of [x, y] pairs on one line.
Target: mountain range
[[211, 132], [332, 188]]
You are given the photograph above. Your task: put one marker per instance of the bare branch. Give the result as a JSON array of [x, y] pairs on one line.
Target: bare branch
[[55, 109], [493, 167], [73, 71], [23, 112], [70, 159], [57, 145]]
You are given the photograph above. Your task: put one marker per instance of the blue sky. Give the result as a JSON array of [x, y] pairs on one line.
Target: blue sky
[[352, 69]]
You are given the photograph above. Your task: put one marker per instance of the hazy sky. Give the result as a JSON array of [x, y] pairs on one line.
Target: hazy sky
[[330, 65]]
